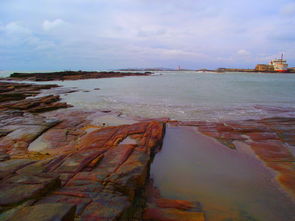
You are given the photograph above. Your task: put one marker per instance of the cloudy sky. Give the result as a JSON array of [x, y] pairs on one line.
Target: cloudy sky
[[107, 34]]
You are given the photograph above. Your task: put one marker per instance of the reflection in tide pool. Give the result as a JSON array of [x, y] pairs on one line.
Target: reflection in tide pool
[[231, 185]]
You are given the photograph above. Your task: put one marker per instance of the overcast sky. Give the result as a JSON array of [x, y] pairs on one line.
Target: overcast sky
[[107, 34]]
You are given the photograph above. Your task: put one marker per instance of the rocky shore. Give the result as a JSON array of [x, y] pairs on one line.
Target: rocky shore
[[69, 164], [71, 75]]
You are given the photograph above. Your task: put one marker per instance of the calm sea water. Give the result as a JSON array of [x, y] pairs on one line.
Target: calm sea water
[[190, 95]]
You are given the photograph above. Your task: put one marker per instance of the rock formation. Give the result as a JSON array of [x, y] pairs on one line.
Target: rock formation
[[72, 75]]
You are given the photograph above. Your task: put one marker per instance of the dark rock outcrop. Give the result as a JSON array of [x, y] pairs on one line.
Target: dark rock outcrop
[[72, 75], [13, 96]]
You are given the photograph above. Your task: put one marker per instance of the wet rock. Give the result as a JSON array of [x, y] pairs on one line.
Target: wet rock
[[46, 212], [170, 214], [272, 151], [37, 105], [89, 170], [15, 193], [10, 166], [158, 208], [263, 136], [286, 174], [4, 157], [131, 174], [79, 202], [106, 206], [177, 204], [17, 141], [39, 167], [13, 96], [18, 91]]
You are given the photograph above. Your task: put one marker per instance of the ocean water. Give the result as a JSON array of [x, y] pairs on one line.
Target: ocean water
[[190, 95]]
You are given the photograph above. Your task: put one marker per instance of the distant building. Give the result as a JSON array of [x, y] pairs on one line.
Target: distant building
[[264, 68]]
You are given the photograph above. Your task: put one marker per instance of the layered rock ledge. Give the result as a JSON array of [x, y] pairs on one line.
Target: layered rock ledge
[[79, 173], [73, 165]]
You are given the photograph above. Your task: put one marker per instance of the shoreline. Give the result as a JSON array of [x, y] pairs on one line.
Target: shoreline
[[70, 75], [78, 146]]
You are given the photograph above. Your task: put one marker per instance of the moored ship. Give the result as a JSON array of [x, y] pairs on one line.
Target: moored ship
[[279, 65]]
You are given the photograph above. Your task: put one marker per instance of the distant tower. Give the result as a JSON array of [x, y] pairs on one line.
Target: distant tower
[[178, 68]]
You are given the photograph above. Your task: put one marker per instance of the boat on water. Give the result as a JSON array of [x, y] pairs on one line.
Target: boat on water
[[279, 65]]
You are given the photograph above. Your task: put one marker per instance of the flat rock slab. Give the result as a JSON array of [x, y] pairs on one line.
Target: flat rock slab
[[97, 174], [106, 206], [45, 212], [20, 188]]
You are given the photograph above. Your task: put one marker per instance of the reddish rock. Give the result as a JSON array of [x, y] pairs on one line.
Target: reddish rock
[[170, 214], [11, 166], [79, 202], [105, 207], [130, 174], [177, 204], [164, 209], [18, 91], [258, 136], [247, 126], [231, 136], [73, 166], [286, 174], [46, 212], [272, 151], [15, 193]]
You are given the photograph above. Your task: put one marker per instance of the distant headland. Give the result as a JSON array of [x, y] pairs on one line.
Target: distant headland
[[72, 75]]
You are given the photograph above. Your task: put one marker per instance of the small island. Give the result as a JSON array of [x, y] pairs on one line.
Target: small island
[[72, 75]]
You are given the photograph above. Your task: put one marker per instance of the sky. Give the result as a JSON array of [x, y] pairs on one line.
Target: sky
[[112, 34]]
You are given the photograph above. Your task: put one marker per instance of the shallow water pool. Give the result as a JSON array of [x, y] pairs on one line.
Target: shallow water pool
[[230, 184]]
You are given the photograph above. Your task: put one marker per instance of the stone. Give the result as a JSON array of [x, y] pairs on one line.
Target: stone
[[106, 207], [160, 214], [286, 174], [13, 194], [46, 212], [112, 160], [272, 151], [158, 208], [79, 202], [11, 166], [131, 174], [177, 204], [258, 136]]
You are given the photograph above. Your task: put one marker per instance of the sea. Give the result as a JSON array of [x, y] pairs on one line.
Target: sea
[[188, 95]]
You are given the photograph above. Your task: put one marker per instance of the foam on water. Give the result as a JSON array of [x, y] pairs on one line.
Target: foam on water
[[190, 95]]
